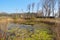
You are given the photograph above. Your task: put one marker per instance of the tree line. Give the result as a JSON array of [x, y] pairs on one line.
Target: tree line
[[48, 7]]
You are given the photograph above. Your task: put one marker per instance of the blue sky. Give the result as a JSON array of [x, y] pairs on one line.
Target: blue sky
[[12, 6]]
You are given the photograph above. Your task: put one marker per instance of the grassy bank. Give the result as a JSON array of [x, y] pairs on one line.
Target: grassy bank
[[33, 21]]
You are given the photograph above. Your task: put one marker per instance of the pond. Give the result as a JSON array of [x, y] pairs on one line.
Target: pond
[[20, 26], [16, 31]]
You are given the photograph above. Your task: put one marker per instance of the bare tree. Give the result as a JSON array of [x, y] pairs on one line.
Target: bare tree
[[45, 6], [49, 11], [53, 5], [29, 6], [33, 4], [37, 7], [59, 7], [49, 7]]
